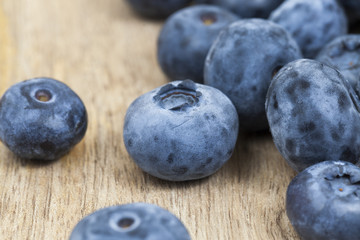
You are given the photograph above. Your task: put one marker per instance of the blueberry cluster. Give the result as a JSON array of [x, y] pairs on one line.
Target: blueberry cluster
[[295, 73]]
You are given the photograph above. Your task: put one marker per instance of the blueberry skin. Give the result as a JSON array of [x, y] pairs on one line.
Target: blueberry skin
[[41, 119], [157, 8], [246, 8], [181, 131], [343, 53], [312, 23], [313, 114], [323, 202], [135, 221], [241, 63], [186, 38]]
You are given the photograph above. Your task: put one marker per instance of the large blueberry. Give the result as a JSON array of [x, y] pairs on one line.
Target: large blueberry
[[181, 131], [135, 221], [186, 38], [242, 62], [311, 23], [41, 119], [246, 8], [157, 8], [343, 53], [313, 114], [323, 202]]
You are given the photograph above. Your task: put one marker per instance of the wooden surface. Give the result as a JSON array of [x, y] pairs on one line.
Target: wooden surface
[[107, 55]]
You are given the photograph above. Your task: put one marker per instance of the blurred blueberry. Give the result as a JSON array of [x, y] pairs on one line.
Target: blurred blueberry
[[157, 8], [41, 119], [186, 38], [313, 114], [246, 8], [181, 131], [135, 221], [312, 23], [242, 62], [343, 53], [323, 202]]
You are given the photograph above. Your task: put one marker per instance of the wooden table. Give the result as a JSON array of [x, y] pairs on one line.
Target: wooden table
[[107, 55]]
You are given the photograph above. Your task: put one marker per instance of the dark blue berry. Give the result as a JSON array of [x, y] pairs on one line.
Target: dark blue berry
[[323, 201], [181, 131], [157, 8], [186, 38], [136, 221], [312, 23], [313, 114], [242, 62], [343, 53], [246, 8], [41, 119]]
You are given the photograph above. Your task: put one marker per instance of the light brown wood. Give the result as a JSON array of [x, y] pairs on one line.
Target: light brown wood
[[107, 55]]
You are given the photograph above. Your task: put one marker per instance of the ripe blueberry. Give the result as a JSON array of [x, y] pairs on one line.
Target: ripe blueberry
[[311, 23], [41, 119], [186, 38], [343, 53], [181, 131], [131, 222], [242, 62], [313, 114], [323, 201]]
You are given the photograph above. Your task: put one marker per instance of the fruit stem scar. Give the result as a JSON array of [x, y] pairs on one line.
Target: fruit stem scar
[[125, 222], [178, 98], [208, 19], [178, 93], [43, 95]]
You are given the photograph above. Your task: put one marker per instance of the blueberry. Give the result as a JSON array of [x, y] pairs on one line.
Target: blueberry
[[323, 201], [343, 53], [311, 23], [246, 8], [41, 119], [157, 8], [186, 38], [241, 63], [181, 131], [313, 114], [135, 221]]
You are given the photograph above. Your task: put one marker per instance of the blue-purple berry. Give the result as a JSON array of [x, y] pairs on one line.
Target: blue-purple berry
[[181, 131], [314, 114], [312, 23], [242, 62], [323, 201], [186, 38], [135, 221], [41, 119]]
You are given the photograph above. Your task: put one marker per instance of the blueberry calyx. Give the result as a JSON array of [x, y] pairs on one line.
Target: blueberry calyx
[[124, 222], [208, 18], [343, 181], [178, 98], [43, 95]]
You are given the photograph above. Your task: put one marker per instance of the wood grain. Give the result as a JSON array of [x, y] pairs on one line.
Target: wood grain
[[107, 55]]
